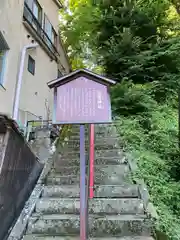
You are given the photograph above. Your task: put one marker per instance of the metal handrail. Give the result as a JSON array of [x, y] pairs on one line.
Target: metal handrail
[[32, 20]]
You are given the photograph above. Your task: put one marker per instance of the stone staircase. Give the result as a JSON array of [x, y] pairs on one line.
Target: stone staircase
[[116, 212]]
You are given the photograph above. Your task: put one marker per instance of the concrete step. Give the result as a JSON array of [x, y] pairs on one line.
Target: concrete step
[[108, 226], [72, 191], [74, 179], [105, 130], [99, 169], [61, 161], [99, 144], [98, 138], [62, 180], [42, 237], [64, 170], [126, 191], [66, 191], [105, 175], [96, 206], [98, 153]]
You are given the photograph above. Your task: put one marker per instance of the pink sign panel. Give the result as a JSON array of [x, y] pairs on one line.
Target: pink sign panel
[[82, 101]]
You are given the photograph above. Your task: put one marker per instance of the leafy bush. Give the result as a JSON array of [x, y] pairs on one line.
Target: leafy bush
[[130, 99], [151, 137]]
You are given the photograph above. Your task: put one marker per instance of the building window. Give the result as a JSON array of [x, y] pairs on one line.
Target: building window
[[49, 30], [31, 65], [36, 19], [54, 37], [36, 9], [3, 57]]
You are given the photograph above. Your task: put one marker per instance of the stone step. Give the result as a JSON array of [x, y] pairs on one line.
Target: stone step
[[96, 206], [108, 226], [99, 144], [98, 153], [98, 139], [126, 191], [99, 169], [74, 179], [62, 180], [72, 191], [105, 175], [65, 170], [61, 161], [43, 237], [105, 129]]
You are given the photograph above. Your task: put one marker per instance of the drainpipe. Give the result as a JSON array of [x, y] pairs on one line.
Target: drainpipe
[[19, 81]]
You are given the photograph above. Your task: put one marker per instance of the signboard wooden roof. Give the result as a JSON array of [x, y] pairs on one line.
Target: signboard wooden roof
[[78, 73], [81, 97]]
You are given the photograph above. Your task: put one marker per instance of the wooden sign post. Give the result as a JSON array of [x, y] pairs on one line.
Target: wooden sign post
[[82, 97]]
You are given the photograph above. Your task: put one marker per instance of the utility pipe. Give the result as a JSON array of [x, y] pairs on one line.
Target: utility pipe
[[19, 81]]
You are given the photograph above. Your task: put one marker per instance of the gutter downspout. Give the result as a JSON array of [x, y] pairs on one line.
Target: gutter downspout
[[19, 81]]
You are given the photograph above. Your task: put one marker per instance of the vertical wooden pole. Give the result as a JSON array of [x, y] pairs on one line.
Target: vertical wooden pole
[[82, 184], [91, 184]]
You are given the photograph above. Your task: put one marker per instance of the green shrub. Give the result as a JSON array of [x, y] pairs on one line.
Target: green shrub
[[129, 99], [151, 138]]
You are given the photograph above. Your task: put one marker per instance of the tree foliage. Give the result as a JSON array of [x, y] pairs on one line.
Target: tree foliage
[[149, 130], [78, 30], [134, 43], [137, 42]]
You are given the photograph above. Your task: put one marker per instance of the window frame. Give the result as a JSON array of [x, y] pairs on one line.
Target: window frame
[[3, 67], [40, 13], [4, 49], [42, 26], [31, 7], [54, 35], [30, 58]]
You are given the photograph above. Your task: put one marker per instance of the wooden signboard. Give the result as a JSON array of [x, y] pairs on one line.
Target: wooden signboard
[[81, 98]]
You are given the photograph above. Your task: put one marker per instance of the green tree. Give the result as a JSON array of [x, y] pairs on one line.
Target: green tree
[[137, 42], [79, 30]]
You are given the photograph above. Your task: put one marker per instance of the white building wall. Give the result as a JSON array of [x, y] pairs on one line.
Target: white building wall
[[34, 90]]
